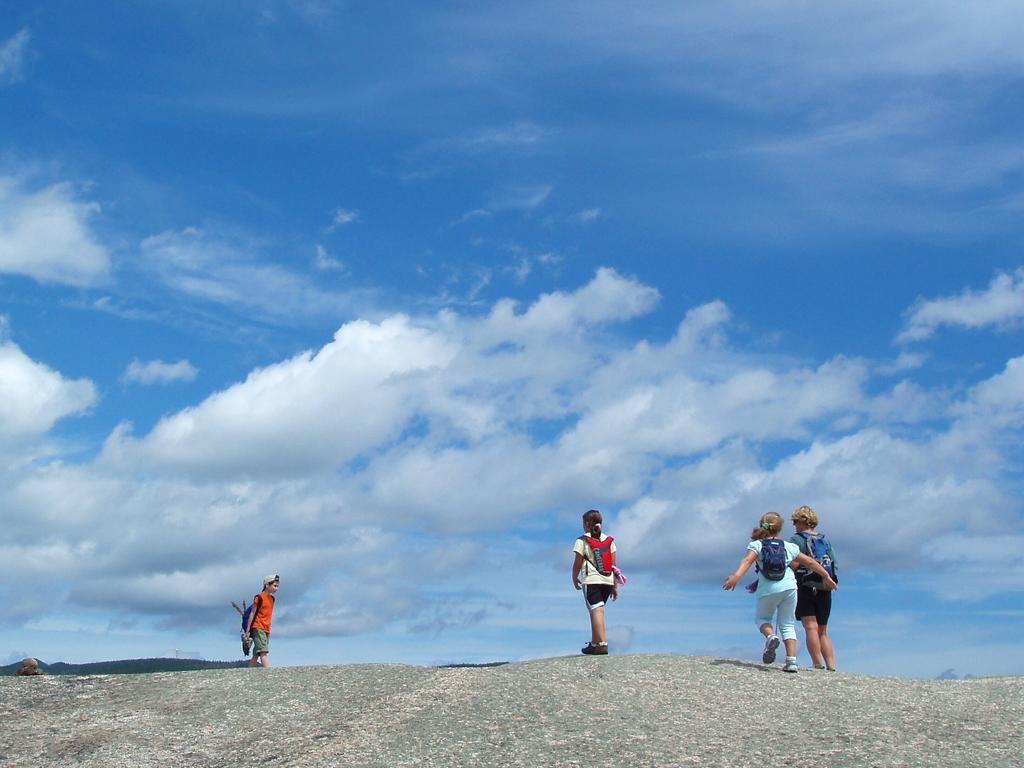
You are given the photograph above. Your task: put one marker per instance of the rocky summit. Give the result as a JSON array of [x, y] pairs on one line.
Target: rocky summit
[[573, 711]]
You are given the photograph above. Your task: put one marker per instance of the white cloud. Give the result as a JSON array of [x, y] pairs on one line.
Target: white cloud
[[580, 218], [476, 213], [341, 218], [520, 198], [46, 235], [1001, 305], [315, 410], [420, 439], [607, 298], [881, 498], [158, 372], [234, 273], [518, 135], [13, 53], [521, 270], [313, 12], [33, 397], [325, 262], [844, 42], [997, 401]]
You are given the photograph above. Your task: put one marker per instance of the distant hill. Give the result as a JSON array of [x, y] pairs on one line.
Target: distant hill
[[126, 666]]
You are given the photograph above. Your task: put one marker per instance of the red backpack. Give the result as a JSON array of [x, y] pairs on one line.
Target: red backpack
[[601, 552]]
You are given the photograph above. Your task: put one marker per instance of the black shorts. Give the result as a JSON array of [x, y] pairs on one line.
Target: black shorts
[[814, 602], [596, 595]]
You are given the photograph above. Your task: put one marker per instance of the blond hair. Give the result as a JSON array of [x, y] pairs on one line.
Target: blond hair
[[806, 515], [770, 525]]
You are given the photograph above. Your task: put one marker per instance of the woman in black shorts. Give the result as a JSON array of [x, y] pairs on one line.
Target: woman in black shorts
[[813, 602]]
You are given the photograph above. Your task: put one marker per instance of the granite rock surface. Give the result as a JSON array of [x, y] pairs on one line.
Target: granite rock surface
[[572, 711]]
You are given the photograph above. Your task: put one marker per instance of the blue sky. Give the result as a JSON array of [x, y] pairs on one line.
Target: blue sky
[[383, 296]]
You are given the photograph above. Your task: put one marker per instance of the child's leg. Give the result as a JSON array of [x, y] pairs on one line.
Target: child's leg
[[597, 630], [812, 634], [766, 607], [787, 622], [594, 597], [764, 614]]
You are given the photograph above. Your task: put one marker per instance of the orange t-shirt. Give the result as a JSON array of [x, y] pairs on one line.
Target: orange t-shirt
[[264, 609]]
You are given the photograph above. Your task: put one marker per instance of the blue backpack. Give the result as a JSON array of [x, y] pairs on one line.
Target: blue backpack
[[818, 548], [246, 612], [245, 616], [771, 563]]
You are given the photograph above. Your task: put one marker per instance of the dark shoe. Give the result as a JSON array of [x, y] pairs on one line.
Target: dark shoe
[[595, 650], [770, 645]]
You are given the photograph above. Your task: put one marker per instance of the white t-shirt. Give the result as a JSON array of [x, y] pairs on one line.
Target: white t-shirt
[[590, 574], [788, 580]]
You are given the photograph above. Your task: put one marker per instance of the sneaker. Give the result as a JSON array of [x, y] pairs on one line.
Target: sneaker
[[790, 666], [770, 645], [595, 650]]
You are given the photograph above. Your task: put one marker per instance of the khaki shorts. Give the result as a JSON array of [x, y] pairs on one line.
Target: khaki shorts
[[260, 640]]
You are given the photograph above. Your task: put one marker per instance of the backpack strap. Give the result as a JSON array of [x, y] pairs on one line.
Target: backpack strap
[[587, 547], [803, 572], [592, 559], [760, 557], [805, 547]]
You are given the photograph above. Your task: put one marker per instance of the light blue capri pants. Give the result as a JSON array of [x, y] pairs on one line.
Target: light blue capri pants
[[783, 604]]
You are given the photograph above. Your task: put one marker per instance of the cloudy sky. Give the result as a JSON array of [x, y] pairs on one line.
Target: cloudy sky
[[382, 296]]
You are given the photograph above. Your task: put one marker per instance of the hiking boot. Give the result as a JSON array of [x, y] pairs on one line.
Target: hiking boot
[[790, 666], [768, 657], [595, 650]]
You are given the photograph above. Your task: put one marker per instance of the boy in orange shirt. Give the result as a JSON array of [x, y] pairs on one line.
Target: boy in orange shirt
[[259, 621]]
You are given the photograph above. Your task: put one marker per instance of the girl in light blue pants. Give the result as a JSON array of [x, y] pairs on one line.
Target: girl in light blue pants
[[776, 597]]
